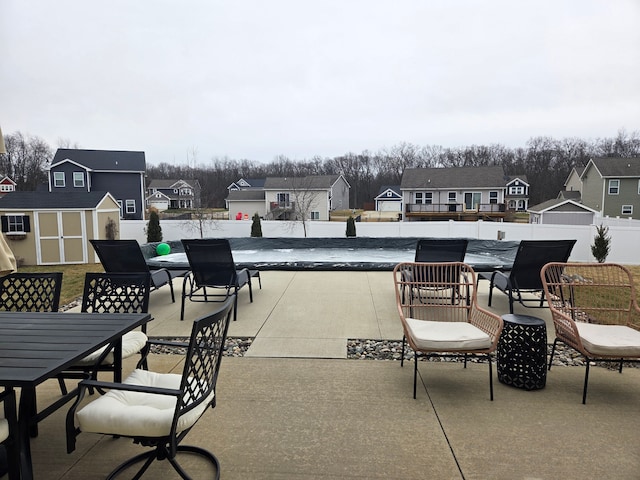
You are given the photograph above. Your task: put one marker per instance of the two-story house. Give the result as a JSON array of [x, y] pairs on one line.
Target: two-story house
[[517, 193], [611, 186], [457, 193], [121, 173], [289, 198], [173, 194]]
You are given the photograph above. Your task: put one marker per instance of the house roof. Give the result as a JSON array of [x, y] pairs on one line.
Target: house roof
[[453, 178], [617, 167], [102, 160], [308, 182], [555, 203], [169, 183], [51, 200], [570, 195], [245, 195], [511, 178]]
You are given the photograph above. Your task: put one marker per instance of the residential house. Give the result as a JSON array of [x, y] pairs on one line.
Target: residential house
[[562, 211], [286, 198], [458, 193], [121, 173], [247, 183], [46, 228], [6, 185], [517, 193], [173, 194], [611, 186], [389, 199], [573, 185]]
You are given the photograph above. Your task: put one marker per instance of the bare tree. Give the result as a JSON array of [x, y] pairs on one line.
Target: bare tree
[[25, 161]]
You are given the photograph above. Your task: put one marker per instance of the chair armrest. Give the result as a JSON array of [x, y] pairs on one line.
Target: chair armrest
[[488, 322], [129, 387]]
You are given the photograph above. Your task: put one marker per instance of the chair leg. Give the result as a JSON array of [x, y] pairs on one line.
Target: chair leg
[[250, 290], [586, 381], [415, 374], [402, 358], [490, 378], [63, 386], [620, 367], [553, 351], [490, 292]]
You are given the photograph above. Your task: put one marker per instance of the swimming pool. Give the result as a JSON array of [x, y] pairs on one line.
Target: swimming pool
[[360, 253]]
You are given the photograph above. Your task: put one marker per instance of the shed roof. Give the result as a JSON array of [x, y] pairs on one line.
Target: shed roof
[[51, 200]]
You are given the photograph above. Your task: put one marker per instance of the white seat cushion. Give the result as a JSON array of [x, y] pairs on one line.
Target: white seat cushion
[[132, 343], [138, 414], [609, 339], [447, 336], [4, 429]]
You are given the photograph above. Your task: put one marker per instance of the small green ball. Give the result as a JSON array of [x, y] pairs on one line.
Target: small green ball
[[163, 249]]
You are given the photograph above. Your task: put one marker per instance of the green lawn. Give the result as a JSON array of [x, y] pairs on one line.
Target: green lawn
[[72, 278]]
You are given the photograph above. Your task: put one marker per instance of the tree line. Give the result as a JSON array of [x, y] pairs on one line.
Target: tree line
[[545, 161]]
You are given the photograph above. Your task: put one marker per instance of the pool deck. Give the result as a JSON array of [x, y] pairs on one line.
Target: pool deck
[[295, 408]]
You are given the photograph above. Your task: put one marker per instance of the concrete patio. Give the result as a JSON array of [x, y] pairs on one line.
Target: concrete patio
[[294, 407]]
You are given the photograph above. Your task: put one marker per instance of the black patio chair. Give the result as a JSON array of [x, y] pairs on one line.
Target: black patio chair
[[158, 410], [212, 267], [125, 256], [524, 276], [10, 463], [30, 292], [112, 293]]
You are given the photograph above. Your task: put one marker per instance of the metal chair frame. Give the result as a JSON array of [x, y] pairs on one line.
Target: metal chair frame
[[30, 292]]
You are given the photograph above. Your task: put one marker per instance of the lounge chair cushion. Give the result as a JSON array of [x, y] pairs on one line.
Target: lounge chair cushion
[[148, 415], [132, 343], [447, 336], [4, 429], [609, 339]]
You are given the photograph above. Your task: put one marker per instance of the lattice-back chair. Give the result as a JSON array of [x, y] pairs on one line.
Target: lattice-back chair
[[524, 275], [125, 256], [159, 409], [436, 326], [30, 292], [595, 312], [212, 267], [9, 432], [112, 293]]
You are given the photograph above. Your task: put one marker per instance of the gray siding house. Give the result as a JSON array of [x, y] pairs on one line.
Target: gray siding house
[[184, 194], [611, 186], [562, 212], [121, 173]]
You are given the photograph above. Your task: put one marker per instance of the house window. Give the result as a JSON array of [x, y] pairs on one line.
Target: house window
[[7, 188], [58, 179], [15, 224], [315, 215], [516, 190], [428, 198], [418, 197], [493, 197], [390, 193], [452, 196], [121, 210], [78, 179], [472, 200], [627, 209], [131, 206], [614, 187], [185, 191], [283, 199]]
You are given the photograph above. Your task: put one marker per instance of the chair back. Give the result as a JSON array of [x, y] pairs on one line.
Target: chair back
[[602, 293], [435, 291], [202, 362], [120, 256], [116, 292], [30, 292], [211, 261], [441, 249], [531, 256]]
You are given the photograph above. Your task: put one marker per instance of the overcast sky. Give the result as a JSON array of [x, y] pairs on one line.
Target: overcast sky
[[253, 79]]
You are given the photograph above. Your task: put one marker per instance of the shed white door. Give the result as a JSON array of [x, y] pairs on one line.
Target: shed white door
[[61, 237]]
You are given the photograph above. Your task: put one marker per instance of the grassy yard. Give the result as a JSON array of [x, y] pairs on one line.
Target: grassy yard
[[73, 278]]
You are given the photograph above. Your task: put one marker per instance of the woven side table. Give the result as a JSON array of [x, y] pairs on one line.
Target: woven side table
[[522, 352]]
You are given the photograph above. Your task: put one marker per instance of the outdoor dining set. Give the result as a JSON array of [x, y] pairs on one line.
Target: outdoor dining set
[[593, 307]]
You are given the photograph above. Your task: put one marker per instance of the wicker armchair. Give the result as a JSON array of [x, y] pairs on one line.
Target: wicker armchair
[[447, 321], [594, 311]]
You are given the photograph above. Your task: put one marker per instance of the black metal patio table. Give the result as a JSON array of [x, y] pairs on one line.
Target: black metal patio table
[[35, 347]]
